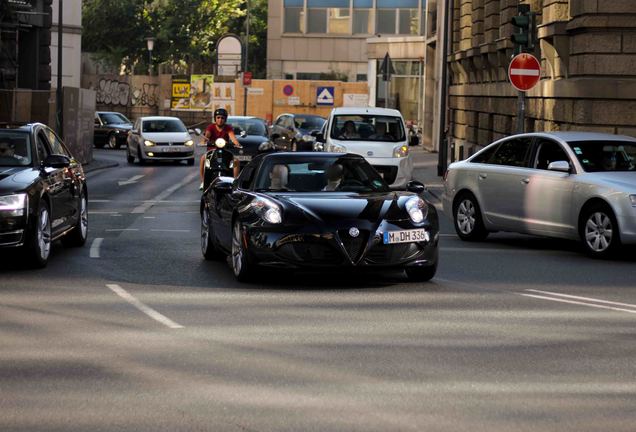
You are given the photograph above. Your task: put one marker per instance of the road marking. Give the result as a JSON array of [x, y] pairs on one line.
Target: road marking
[[149, 217], [131, 180], [170, 230], [98, 201], [582, 301], [143, 308], [122, 229], [95, 245], [163, 195]]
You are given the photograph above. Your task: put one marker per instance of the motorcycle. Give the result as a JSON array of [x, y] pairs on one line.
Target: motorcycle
[[218, 163]]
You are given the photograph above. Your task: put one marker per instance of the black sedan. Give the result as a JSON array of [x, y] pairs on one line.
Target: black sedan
[[252, 134], [43, 195], [293, 132], [317, 210], [111, 129]]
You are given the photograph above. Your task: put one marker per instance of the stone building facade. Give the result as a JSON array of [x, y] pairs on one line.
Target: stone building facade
[[587, 51]]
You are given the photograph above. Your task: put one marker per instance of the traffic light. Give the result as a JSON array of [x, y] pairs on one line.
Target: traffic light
[[526, 24]]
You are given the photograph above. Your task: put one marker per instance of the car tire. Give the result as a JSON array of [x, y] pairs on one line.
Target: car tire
[[208, 246], [142, 161], [467, 218], [112, 142], [37, 247], [191, 162], [130, 158], [421, 274], [77, 237], [598, 230], [242, 268]]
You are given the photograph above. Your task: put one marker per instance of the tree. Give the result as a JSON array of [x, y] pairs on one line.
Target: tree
[[257, 52]]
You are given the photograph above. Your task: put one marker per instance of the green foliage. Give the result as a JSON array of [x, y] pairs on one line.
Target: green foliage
[[257, 49], [186, 31]]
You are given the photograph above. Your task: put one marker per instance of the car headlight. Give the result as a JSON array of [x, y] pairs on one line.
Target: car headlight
[[188, 143], [308, 138], [267, 210], [337, 148], [148, 143], [15, 203], [417, 209], [401, 151], [632, 198]]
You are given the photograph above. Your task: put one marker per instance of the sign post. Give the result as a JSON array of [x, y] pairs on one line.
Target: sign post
[[524, 73], [387, 70]]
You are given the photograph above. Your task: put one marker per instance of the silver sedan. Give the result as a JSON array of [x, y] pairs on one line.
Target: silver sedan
[[574, 185]]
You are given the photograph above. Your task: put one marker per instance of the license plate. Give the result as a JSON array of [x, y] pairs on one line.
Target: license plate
[[244, 158], [406, 236], [172, 149]]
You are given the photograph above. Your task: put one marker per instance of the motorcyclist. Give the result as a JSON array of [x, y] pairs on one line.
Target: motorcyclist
[[219, 129]]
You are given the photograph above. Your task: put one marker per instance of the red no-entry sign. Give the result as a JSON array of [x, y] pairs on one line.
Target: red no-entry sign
[[524, 71]]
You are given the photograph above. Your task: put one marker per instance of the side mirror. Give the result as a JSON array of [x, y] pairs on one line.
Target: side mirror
[[561, 166], [222, 186], [415, 187], [57, 161]]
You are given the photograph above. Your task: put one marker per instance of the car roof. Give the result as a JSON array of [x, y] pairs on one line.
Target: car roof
[[366, 110], [584, 136], [159, 118]]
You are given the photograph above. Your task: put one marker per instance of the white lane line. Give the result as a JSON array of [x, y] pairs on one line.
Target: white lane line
[[95, 245], [149, 217], [122, 229], [98, 201], [130, 180], [165, 194], [560, 300], [143, 308], [170, 230], [590, 299]]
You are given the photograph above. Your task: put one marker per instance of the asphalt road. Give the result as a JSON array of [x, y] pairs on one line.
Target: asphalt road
[[136, 332]]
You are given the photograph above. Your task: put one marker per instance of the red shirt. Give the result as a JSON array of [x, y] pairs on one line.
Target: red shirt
[[215, 133]]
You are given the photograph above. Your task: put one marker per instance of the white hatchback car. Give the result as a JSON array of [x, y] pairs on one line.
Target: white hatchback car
[[159, 138], [378, 134]]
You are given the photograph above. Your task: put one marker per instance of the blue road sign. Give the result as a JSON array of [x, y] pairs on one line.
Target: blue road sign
[[324, 95]]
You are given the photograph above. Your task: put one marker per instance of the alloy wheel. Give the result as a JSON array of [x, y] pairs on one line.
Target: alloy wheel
[[83, 217], [205, 231], [237, 250], [598, 232], [44, 234], [466, 217]]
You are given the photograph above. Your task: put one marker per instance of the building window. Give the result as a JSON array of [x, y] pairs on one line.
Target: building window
[[362, 16], [361, 77], [294, 20], [398, 17], [339, 21], [316, 20], [289, 76]]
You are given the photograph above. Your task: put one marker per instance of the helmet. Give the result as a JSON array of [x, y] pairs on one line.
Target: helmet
[[220, 112]]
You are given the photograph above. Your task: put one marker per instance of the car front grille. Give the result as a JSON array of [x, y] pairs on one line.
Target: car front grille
[[354, 245], [169, 143], [393, 253], [314, 253], [388, 172]]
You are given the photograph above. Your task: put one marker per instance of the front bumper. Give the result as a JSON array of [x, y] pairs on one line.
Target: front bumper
[[160, 152], [311, 247], [12, 230]]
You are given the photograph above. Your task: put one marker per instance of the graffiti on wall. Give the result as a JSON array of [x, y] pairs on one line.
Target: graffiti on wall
[[146, 95], [112, 92]]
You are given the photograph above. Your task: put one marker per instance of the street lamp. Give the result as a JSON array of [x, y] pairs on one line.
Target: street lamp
[[150, 42]]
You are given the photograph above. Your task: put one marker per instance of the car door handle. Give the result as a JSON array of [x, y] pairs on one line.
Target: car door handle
[[525, 180], [482, 176]]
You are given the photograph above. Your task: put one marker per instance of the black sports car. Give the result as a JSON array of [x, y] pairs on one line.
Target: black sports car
[[43, 195], [317, 210]]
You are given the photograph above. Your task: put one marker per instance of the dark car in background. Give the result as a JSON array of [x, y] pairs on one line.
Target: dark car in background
[[43, 195], [252, 134], [293, 132], [111, 129]]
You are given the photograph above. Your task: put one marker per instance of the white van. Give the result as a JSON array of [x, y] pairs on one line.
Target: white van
[[378, 134]]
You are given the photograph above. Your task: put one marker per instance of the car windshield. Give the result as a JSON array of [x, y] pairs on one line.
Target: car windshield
[[368, 128], [309, 123], [250, 126], [324, 174], [605, 156], [113, 118], [163, 125], [15, 149]]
